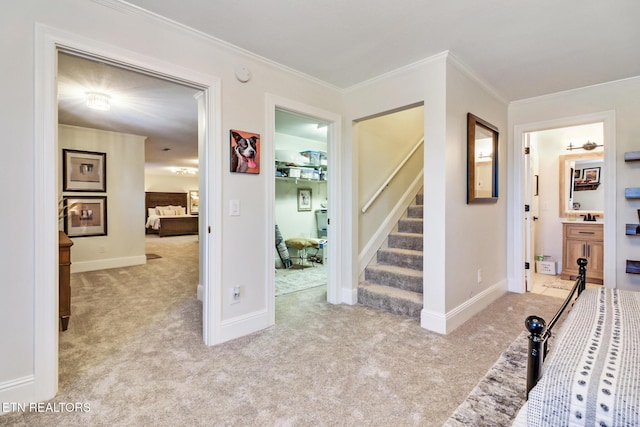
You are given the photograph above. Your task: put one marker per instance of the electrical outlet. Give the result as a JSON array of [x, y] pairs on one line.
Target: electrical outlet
[[479, 275], [235, 294]]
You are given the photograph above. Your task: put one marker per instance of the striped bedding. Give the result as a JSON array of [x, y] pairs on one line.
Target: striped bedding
[[592, 375]]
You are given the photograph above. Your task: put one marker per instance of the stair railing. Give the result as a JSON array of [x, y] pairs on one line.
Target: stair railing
[[390, 178]]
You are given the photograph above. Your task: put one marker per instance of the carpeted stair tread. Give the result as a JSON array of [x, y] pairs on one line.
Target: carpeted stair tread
[[403, 240], [393, 300], [406, 258], [394, 276]]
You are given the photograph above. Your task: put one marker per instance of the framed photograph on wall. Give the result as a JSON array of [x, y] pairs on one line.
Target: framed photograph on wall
[[591, 175], [85, 216], [84, 171], [245, 151], [304, 199], [194, 202]]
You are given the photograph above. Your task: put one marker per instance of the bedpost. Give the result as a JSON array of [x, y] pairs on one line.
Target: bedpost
[[535, 325], [582, 274]]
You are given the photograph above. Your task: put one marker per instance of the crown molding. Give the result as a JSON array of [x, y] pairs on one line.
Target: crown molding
[[130, 9], [467, 71]]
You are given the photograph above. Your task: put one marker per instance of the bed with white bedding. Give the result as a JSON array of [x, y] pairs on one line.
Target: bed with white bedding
[[166, 214], [592, 374]]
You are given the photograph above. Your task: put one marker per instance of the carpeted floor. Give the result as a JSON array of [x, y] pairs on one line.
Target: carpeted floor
[[298, 279], [133, 354]]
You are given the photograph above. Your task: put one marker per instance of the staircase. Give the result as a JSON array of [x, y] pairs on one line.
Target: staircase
[[394, 281]]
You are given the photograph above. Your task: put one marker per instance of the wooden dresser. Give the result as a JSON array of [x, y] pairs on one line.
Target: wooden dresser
[[583, 239], [64, 279]]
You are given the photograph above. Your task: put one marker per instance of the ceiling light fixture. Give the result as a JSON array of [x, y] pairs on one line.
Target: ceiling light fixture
[[185, 171], [98, 101]]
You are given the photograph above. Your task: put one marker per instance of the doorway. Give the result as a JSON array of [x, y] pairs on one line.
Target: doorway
[[301, 202], [558, 164], [328, 192], [49, 41], [520, 251]]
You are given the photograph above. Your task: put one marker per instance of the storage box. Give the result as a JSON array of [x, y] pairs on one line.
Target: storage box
[[546, 266]]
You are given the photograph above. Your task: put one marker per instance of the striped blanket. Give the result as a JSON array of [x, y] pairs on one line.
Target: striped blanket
[[592, 375]]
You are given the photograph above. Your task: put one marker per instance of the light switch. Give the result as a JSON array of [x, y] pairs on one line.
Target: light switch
[[234, 207]]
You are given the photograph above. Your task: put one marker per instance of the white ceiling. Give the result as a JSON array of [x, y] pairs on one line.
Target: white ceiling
[[521, 48]]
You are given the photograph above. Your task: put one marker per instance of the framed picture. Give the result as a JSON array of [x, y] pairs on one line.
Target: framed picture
[[84, 171], [194, 202], [304, 199], [577, 174], [245, 151], [85, 216], [591, 175]]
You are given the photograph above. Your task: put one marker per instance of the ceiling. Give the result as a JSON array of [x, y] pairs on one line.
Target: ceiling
[[520, 48]]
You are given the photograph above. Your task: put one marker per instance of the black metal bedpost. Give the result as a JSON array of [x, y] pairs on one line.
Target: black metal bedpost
[[535, 325], [582, 274]]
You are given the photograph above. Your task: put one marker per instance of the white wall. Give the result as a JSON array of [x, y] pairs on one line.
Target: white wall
[[621, 97], [476, 234], [170, 183], [243, 107], [124, 243]]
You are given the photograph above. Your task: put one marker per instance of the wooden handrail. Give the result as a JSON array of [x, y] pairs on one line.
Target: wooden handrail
[[393, 174]]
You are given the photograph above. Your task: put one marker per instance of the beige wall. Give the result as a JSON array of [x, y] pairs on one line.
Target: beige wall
[[124, 243], [170, 183]]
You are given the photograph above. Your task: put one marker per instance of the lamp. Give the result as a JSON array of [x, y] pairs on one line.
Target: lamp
[[98, 101]]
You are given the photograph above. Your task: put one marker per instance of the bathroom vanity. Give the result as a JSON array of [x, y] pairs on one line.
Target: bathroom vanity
[[583, 239]]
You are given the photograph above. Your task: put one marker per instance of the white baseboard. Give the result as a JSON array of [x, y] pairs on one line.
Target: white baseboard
[[240, 326], [16, 390], [349, 296], [445, 323], [103, 264], [200, 292], [371, 247]]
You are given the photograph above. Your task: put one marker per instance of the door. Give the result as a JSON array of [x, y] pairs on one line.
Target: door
[[528, 232]]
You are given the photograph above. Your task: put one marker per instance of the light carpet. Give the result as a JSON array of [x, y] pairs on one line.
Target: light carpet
[[298, 279], [134, 354]]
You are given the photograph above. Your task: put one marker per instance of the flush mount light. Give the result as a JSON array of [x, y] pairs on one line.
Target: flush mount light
[[98, 101]]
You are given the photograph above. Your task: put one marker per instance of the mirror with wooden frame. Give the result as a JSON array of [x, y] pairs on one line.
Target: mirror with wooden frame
[[579, 184], [482, 161]]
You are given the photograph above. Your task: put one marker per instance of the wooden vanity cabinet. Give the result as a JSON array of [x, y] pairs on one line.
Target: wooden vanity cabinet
[[583, 240], [64, 279]]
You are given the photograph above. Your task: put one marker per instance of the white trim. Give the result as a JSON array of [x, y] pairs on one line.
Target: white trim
[[245, 324], [515, 217], [371, 247], [103, 264], [48, 40], [335, 231], [444, 324]]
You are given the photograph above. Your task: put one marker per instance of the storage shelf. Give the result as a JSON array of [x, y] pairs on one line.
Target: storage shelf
[[632, 193], [632, 156], [633, 267], [586, 187], [632, 230]]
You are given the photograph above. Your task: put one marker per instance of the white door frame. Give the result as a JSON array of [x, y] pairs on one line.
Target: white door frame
[[516, 242], [334, 235], [43, 384]]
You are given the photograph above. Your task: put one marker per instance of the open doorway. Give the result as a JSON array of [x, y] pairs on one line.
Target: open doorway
[[301, 202], [566, 192]]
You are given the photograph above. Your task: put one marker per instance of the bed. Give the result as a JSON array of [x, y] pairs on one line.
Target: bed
[[592, 373], [166, 214]]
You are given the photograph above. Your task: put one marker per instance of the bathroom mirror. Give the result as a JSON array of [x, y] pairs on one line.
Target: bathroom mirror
[[482, 161], [580, 188]]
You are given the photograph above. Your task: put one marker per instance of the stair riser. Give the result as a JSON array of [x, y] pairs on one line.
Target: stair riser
[[420, 199], [395, 280], [410, 226], [406, 242], [415, 212], [392, 305], [407, 261]]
